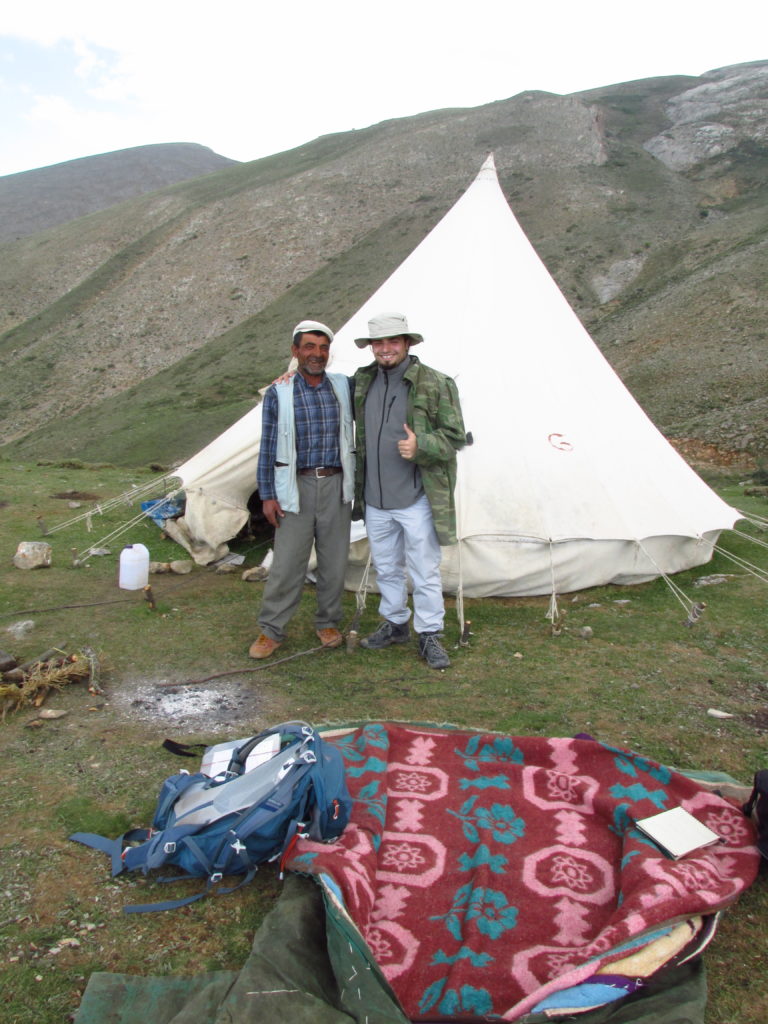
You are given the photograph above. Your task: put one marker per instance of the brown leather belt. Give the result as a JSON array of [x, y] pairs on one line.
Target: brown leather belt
[[318, 471]]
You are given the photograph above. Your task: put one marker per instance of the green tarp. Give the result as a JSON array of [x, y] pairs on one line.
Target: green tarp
[[309, 966]]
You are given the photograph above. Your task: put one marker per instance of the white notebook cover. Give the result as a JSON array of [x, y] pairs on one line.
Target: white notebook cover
[[677, 832]]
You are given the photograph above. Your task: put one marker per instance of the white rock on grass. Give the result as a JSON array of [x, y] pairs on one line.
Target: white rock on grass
[[19, 630], [33, 554]]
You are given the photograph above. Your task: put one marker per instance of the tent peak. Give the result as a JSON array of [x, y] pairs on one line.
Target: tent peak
[[488, 170]]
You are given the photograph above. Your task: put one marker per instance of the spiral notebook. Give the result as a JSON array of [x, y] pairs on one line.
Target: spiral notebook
[[676, 832]]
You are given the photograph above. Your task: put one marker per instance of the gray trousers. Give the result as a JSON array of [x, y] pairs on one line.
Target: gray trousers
[[324, 521]]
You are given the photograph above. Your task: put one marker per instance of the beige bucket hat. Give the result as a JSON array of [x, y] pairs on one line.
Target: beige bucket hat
[[388, 325]]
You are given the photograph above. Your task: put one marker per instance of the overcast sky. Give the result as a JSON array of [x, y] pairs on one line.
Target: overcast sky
[[248, 78]]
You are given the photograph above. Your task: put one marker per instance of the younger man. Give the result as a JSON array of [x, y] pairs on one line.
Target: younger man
[[409, 428]]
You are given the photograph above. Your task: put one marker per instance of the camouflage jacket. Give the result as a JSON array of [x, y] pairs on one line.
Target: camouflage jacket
[[434, 415]]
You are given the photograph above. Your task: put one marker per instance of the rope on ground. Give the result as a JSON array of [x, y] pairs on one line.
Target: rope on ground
[[752, 517], [63, 607], [126, 498], [693, 609], [80, 556], [244, 671], [749, 537], [168, 588], [754, 570]]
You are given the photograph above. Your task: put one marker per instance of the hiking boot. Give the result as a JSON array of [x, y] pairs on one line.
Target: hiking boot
[[264, 647], [387, 633], [330, 637], [432, 651]]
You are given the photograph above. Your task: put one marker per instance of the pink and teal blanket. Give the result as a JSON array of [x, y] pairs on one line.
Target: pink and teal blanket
[[492, 876]]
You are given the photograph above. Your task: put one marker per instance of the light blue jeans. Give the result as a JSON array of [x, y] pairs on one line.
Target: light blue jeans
[[404, 543]]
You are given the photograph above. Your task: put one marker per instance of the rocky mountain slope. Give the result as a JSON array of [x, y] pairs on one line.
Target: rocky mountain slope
[[140, 331], [33, 201]]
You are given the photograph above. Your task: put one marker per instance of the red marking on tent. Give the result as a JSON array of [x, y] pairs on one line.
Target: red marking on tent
[[559, 441]]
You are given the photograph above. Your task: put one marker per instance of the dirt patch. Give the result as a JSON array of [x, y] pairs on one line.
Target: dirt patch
[[758, 720], [77, 496], [712, 456]]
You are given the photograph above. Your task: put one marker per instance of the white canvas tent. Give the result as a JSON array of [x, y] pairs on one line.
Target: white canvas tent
[[567, 483]]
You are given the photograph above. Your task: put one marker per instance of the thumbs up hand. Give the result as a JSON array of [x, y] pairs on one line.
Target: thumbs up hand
[[408, 446]]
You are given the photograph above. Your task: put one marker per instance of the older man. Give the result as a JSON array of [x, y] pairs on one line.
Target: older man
[[305, 476], [409, 428]]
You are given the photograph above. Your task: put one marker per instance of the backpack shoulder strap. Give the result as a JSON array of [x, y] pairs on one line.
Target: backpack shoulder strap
[[112, 847], [183, 749], [291, 730]]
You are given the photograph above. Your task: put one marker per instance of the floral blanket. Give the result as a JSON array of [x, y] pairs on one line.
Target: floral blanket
[[491, 875]]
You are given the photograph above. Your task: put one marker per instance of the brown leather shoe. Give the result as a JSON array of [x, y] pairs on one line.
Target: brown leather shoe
[[330, 637], [263, 647]]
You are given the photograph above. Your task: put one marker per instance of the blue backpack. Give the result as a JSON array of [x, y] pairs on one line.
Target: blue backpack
[[235, 814]]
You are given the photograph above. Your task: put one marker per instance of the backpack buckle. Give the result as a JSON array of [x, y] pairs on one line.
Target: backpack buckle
[[216, 877], [169, 847]]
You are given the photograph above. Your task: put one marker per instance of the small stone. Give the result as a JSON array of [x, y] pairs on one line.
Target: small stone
[[19, 630], [586, 632], [7, 661], [715, 713], [256, 574], [181, 567]]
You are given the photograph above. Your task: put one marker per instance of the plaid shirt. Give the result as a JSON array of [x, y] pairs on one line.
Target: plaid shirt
[[317, 422]]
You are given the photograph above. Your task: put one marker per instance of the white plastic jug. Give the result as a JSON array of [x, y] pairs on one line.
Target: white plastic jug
[[134, 567]]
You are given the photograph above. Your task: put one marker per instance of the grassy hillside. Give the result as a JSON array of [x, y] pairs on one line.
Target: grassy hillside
[[139, 332], [171, 415]]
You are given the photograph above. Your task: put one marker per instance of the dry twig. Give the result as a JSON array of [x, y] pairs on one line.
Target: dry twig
[[40, 679]]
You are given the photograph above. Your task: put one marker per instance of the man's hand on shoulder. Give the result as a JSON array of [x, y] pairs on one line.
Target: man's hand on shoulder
[[284, 377]]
